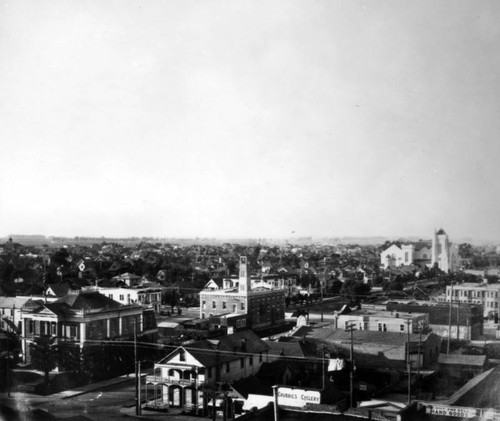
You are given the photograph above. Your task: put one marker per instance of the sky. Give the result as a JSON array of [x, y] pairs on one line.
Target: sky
[[250, 118]]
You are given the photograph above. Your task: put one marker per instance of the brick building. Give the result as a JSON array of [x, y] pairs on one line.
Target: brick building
[[263, 307], [466, 319]]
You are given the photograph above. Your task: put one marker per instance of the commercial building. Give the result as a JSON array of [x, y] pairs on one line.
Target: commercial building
[[487, 295], [384, 321], [263, 307], [462, 321], [376, 349]]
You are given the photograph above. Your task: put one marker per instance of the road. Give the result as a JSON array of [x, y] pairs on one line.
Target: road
[[105, 404]]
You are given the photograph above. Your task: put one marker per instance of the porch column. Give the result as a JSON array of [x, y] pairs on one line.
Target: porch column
[[108, 328], [82, 334]]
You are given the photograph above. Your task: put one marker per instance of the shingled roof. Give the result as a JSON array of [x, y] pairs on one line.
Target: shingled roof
[[210, 352], [90, 300]]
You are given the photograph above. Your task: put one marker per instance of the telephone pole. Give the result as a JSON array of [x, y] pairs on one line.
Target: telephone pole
[[137, 366], [351, 328], [408, 361], [449, 319]]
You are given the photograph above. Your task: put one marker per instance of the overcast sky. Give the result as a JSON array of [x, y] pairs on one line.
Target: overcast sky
[[258, 118]]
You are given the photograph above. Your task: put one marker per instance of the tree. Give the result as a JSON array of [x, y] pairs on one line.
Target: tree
[[44, 355], [355, 290]]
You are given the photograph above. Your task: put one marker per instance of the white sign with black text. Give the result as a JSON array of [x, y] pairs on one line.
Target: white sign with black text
[[289, 396]]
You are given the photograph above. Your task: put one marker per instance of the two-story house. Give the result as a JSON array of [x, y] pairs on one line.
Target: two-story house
[[187, 376]]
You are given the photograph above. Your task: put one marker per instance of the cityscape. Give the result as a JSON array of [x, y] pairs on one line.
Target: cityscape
[[249, 209], [101, 329]]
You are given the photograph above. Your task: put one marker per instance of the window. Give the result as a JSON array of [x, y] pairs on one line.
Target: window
[[203, 304], [382, 327], [182, 356], [214, 304], [243, 306], [242, 362], [223, 304], [122, 297], [234, 308], [402, 328]]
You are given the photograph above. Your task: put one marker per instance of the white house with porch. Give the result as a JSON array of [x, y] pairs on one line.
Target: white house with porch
[[190, 376]]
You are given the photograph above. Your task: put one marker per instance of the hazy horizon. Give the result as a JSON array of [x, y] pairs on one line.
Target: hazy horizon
[[250, 119]]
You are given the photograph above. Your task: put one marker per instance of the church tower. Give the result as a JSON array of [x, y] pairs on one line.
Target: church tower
[[244, 283], [441, 250]]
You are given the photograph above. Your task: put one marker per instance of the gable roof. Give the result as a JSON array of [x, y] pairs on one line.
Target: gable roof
[[59, 290], [285, 349], [224, 349]]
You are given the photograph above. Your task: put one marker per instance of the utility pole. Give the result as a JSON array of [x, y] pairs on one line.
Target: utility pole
[[419, 345], [276, 409], [137, 373], [408, 361], [350, 328], [449, 319], [321, 291], [458, 320]]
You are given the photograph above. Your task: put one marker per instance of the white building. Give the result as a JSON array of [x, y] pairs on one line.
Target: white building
[[418, 254], [383, 321], [438, 251], [180, 379], [444, 253], [144, 296], [488, 295]]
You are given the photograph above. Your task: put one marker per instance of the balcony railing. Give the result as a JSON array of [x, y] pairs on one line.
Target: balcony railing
[[171, 380]]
